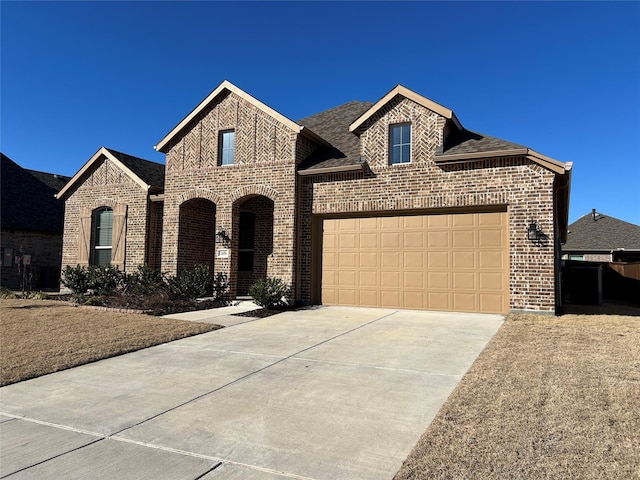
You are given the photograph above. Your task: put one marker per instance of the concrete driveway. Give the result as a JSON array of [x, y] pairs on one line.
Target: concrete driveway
[[324, 393]]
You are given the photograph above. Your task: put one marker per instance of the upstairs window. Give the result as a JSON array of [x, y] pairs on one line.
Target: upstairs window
[[227, 147], [102, 236], [400, 143]]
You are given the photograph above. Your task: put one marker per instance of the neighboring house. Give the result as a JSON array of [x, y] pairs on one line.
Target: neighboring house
[[597, 237], [113, 213], [393, 204], [31, 222]]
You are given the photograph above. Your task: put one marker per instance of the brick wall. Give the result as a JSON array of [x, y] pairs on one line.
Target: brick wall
[[516, 183], [264, 164], [108, 186]]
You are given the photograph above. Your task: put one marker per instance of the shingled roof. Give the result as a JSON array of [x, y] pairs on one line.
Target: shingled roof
[[599, 232], [28, 200], [333, 126], [149, 175], [336, 126]]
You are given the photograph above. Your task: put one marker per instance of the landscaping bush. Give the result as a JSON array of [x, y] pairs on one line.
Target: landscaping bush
[[104, 279], [144, 281], [270, 293], [191, 284], [76, 279]]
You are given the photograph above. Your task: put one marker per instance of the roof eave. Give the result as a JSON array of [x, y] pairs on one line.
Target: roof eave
[[224, 86], [327, 170], [411, 95], [102, 151], [547, 162]]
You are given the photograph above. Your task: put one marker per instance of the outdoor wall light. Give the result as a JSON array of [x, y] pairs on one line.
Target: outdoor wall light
[[222, 237], [534, 232]]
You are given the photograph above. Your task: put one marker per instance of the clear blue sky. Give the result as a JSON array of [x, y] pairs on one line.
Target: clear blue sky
[[560, 78]]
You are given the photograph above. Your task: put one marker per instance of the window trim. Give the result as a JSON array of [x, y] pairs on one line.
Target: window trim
[[401, 144], [94, 236], [222, 149]]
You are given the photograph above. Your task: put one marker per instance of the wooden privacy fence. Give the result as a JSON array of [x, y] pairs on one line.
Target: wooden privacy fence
[[626, 269]]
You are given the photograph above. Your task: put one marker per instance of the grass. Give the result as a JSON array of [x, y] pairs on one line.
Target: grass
[[38, 337], [550, 397]]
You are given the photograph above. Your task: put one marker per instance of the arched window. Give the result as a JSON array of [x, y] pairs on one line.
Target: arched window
[[102, 236]]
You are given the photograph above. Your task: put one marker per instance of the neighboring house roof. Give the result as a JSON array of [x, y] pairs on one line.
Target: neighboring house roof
[[222, 89], [598, 232], [28, 199], [149, 175]]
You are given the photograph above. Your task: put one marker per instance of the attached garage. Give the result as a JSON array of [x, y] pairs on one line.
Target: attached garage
[[448, 262]]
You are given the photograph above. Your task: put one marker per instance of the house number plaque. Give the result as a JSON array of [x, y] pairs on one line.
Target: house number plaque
[[223, 253]]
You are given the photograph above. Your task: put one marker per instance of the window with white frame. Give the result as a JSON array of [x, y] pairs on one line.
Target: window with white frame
[[227, 145], [400, 143]]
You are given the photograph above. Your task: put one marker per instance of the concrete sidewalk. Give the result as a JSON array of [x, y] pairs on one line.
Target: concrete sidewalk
[[326, 393]]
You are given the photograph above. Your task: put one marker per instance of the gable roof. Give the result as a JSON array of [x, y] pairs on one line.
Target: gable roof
[[224, 87], [27, 199], [149, 175], [598, 232], [411, 95]]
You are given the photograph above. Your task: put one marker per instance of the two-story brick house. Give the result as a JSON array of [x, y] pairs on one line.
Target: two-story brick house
[[393, 204]]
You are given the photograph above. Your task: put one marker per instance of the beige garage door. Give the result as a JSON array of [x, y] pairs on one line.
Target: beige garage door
[[455, 262]]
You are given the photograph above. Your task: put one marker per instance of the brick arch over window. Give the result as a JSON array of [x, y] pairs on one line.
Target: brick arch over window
[[198, 193], [249, 190]]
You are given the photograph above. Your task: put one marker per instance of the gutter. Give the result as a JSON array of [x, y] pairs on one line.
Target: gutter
[[339, 169]]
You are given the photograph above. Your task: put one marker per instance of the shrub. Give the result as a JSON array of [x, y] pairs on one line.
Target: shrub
[[39, 296], [6, 293], [104, 279], [191, 284], [144, 281], [270, 293], [76, 279]]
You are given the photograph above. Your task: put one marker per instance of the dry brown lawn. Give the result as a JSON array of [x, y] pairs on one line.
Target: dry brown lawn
[[550, 397], [43, 336]]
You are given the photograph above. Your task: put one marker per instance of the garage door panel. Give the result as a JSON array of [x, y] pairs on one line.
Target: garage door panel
[[414, 260], [369, 260], [347, 278], [438, 301], [414, 300], [491, 259], [347, 240], [390, 298], [438, 259], [346, 259], [413, 240], [465, 302], [438, 239], [390, 259], [464, 280], [453, 262], [465, 260], [490, 238], [463, 220], [414, 280], [464, 239], [438, 280], [368, 240]]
